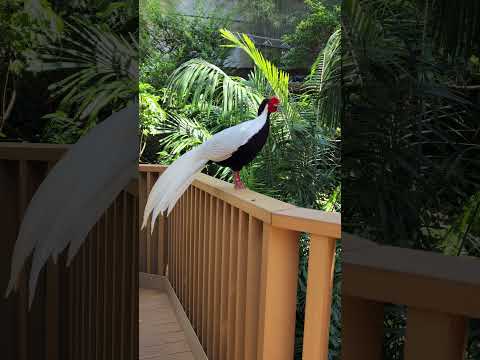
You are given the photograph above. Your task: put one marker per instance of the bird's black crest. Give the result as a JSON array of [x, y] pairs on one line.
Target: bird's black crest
[[262, 106]]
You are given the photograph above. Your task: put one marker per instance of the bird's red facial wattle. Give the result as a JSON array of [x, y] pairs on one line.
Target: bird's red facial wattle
[[273, 104]]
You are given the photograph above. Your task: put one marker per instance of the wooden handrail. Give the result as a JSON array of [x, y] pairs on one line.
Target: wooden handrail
[[441, 293], [269, 210], [244, 246], [32, 152], [44, 152], [260, 259], [253, 203], [412, 277], [307, 220], [95, 296]]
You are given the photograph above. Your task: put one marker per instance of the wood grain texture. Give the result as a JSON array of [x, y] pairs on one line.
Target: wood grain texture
[[69, 318], [252, 289], [32, 152], [233, 292], [435, 335], [161, 336], [278, 293], [321, 265], [217, 281], [211, 277], [241, 285], [224, 280], [362, 329], [205, 273], [148, 238], [200, 262], [143, 194], [323, 223], [255, 204], [224, 268], [415, 278]]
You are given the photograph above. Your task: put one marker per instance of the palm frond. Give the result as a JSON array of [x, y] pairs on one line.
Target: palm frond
[[201, 82], [278, 79], [324, 83], [455, 25], [179, 134], [104, 67]]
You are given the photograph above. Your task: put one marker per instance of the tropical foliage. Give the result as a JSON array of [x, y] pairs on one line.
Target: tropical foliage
[[188, 93], [311, 32], [83, 57], [410, 151], [168, 39], [395, 75], [305, 152]]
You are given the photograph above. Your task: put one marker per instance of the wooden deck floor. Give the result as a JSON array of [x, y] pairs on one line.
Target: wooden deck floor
[[161, 336]]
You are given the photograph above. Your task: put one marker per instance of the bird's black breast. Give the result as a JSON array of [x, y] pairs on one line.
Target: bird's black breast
[[247, 152]]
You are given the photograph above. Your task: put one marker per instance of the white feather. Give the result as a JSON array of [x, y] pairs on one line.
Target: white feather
[[75, 193], [179, 175], [184, 169]]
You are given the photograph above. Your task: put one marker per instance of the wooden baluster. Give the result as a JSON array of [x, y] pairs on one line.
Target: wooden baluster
[[174, 265], [362, 328], [52, 305], [188, 254], [193, 260], [93, 290], [22, 309], [183, 232], [217, 279], [254, 259], [241, 283], [321, 263], [123, 270], [134, 294], [171, 220], [435, 335], [232, 282], [114, 321], [99, 288], [278, 291], [206, 264], [84, 289], [224, 276], [200, 262], [148, 245], [10, 216], [142, 199], [106, 287], [211, 279]]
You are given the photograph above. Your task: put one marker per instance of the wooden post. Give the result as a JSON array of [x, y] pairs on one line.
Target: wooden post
[[252, 286], [142, 195], [321, 263], [51, 311], [22, 309], [362, 328], [278, 290], [435, 335]]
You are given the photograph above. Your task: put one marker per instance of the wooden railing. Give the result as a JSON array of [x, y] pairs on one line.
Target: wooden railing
[[88, 310], [441, 293], [232, 260]]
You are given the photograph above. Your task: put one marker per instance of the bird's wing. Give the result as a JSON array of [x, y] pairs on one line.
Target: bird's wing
[[224, 143], [76, 192], [180, 174]]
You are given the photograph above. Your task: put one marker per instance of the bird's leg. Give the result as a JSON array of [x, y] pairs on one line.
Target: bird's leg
[[237, 181]]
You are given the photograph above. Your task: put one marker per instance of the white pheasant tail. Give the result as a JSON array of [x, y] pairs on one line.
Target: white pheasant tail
[[75, 194], [180, 174]]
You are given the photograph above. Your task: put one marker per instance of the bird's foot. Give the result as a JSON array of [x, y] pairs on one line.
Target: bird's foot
[[238, 184]]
